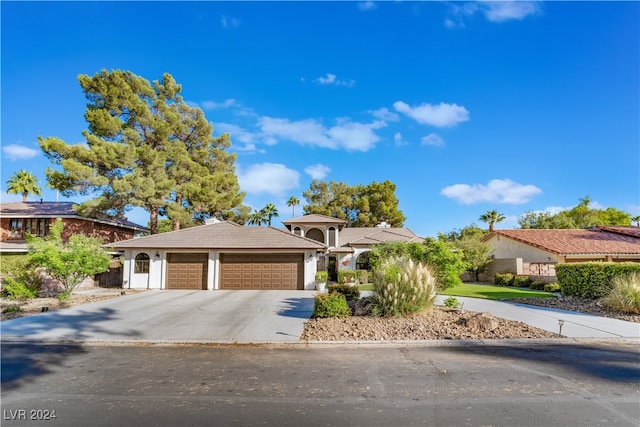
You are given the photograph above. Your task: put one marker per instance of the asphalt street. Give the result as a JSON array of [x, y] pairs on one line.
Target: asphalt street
[[510, 384]]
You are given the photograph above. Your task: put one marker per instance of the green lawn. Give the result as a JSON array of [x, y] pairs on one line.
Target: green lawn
[[365, 287], [476, 290]]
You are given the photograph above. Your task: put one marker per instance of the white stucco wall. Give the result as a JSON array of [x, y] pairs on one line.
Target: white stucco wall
[[156, 277]]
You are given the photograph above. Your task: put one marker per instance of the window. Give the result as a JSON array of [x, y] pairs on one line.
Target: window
[[142, 263], [332, 237], [297, 231], [18, 227], [362, 262]]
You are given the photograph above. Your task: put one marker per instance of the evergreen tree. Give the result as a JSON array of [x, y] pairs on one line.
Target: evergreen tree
[[270, 211], [145, 147], [492, 217], [25, 183], [360, 205]]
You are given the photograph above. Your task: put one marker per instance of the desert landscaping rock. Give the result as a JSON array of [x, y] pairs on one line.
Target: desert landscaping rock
[[439, 323]]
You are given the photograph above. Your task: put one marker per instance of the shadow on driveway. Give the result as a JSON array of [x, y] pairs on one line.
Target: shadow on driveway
[[301, 308]]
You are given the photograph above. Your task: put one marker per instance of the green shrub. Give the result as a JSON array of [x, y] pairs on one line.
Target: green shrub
[[13, 308], [21, 288], [592, 279], [322, 276], [346, 276], [624, 296], [402, 287], [331, 305], [350, 292], [551, 287], [452, 302], [363, 276], [503, 279], [521, 281], [538, 286]]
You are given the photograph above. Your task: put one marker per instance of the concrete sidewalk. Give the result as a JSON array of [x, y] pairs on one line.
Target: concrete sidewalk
[[575, 325]]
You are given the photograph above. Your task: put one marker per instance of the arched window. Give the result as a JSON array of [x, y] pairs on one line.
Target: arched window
[[315, 234], [362, 262], [142, 263], [332, 237], [297, 231]]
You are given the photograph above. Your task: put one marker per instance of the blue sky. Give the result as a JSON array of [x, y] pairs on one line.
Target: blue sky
[[465, 106]]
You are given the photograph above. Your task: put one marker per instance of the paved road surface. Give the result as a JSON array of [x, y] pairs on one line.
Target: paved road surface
[[437, 385]]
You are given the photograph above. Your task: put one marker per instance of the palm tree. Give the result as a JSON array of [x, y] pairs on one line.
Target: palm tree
[[636, 219], [257, 217], [492, 217], [24, 183], [293, 202], [270, 211]]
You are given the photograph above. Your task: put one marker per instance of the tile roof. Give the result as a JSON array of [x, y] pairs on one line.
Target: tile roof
[[628, 230], [58, 210], [314, 219], [373, 235], [223, 235], [575, 242]]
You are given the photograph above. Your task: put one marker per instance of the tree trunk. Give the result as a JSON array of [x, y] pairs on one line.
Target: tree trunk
[[153, 219]]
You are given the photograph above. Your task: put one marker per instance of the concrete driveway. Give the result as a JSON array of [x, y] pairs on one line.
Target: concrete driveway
[[174, 317]]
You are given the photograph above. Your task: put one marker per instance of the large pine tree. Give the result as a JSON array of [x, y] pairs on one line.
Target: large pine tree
[[145, 147]]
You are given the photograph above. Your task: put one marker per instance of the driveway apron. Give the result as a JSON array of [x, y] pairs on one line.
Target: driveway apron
[[170, 316]]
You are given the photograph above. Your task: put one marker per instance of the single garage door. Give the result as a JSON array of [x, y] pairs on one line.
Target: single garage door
[[187, 271], [261, 271]]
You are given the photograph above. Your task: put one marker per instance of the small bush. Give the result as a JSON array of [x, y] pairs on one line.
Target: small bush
[[452, 302], [551, 287], [363, 276], [347, 276], [19, 289], [402, 287], [322, 276], [503, 279], [349, 292], [625, 294], [13, 308], [521, 281], [538, 286], [331, 305]]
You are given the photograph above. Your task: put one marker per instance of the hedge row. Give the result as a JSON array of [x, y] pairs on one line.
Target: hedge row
[[591, 279]]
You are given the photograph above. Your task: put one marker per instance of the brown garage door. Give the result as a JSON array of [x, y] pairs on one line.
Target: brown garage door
[[187, 271], [264, 271]]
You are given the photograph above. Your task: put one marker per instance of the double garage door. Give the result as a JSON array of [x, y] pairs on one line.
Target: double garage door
[[237, 271]]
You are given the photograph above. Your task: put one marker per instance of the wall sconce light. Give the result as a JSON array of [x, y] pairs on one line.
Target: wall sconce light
[[157, 255]]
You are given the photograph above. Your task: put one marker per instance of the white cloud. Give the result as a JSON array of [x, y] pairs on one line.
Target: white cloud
[[442, 115], [352, 136], [210, 105], [385, 115], [318, 171], [397, 139], [503, 191], [237, 133], [229, 21], [367, 5], [271, 178], [19, 152], [332, 79], [493, 11], [501, 11], [432, 139]]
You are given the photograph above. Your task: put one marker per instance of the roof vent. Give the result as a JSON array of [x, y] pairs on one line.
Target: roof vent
[[211, 220], [384, 224]]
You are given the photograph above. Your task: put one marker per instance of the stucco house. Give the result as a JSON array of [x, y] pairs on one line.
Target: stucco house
[[225, 255], [18, 219], [535, 252]]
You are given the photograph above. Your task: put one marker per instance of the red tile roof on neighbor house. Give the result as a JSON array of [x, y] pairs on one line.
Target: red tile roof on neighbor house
[[575, 242], [59, 210]]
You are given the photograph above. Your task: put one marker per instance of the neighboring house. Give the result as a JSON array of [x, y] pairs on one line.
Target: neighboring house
[[18, 219], [535, 252], [224, 255]]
